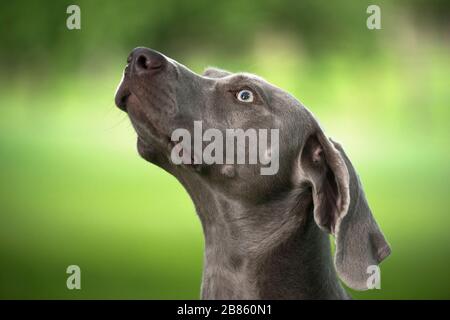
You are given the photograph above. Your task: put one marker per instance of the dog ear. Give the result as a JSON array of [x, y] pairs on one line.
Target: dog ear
[[340, 208], [212, 72]]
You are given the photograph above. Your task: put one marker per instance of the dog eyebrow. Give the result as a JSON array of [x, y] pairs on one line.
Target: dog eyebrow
[[242, 76], [248, 80]]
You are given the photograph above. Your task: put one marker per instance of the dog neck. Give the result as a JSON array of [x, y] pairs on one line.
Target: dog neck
[[270, 251]]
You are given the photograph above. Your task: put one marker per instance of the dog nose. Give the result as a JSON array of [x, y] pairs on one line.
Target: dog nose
[[146, 61]]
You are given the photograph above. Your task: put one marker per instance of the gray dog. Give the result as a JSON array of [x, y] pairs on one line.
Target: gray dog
[[266, 236]]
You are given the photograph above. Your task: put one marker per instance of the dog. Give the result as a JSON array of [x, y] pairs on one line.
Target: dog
[[266, 236]]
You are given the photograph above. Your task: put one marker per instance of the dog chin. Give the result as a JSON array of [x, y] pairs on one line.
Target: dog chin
[[146, 150]]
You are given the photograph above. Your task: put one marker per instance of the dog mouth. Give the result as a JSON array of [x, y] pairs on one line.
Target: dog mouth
[[147, 96], [152, 141], [149, 129], [121, 99], [123, 92]]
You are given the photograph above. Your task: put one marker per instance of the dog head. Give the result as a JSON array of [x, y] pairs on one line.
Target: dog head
[[162, 96]]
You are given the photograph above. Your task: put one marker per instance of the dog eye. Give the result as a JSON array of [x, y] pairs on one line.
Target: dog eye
[[245, 95]]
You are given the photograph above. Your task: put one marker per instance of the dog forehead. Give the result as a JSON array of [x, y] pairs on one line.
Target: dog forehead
[[245, 77]]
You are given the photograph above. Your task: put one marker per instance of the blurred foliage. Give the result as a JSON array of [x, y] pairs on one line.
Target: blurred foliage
[[35, 30], [74, 191]]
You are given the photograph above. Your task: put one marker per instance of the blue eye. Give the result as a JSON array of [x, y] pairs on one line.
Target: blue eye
[[245, 95]]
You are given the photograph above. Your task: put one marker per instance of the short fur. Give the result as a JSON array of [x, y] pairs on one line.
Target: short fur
[[266, 237]]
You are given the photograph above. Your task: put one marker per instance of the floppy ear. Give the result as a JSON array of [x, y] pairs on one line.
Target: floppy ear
[[212, 72], [340, 208]]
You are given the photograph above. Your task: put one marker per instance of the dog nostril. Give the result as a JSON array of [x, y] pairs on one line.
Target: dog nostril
[[142, 62], [145, 63]]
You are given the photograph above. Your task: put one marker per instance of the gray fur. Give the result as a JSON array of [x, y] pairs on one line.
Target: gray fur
[[266, 237]]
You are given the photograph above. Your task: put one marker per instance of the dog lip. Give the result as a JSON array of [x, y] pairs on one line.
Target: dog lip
[[121, 99]]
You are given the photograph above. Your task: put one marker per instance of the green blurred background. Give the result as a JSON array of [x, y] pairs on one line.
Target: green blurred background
[[74, 191]]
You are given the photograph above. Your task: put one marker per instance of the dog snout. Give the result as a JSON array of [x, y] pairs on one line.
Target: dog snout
[[146, 61]]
